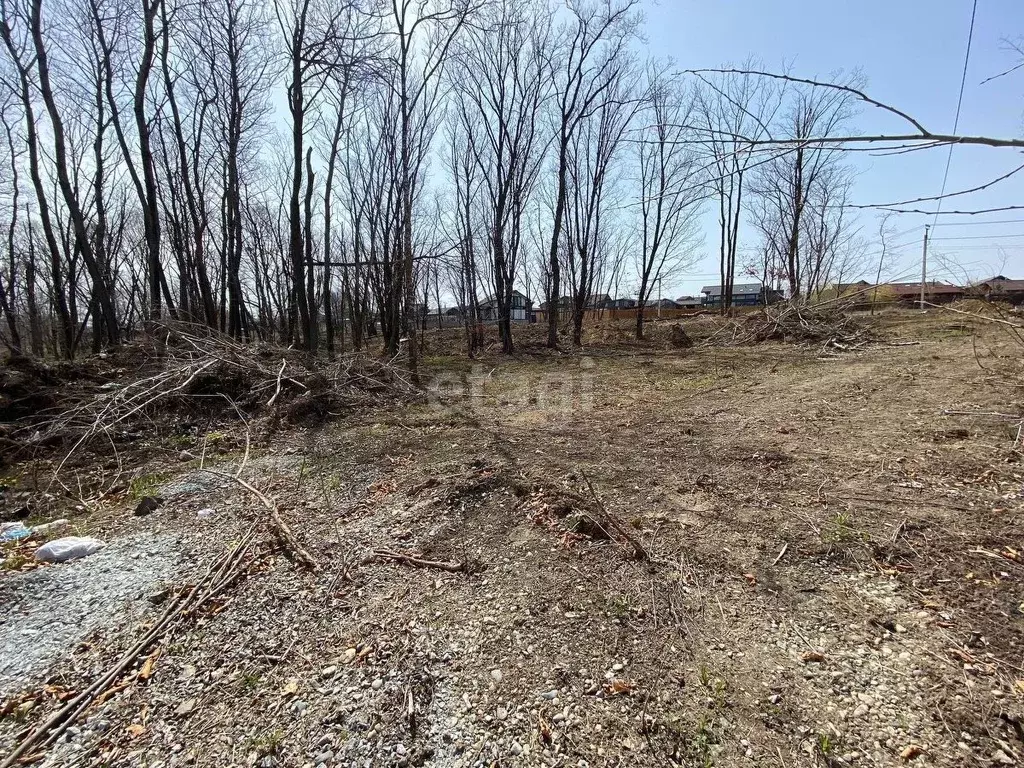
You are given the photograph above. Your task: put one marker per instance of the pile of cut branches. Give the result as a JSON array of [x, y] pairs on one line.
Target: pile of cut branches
[[182, 371], [825, 324]]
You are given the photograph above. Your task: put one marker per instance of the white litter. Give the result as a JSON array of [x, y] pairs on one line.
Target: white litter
[[68, 548], [50, 527]]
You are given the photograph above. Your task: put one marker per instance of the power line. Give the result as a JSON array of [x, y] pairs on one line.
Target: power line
[[959, 104], [981, 223], [981, 237]]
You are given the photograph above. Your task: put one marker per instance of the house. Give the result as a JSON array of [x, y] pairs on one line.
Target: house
[[688, 302], [935, 292], [522, 308], [851, 289], [620, 304], [598, 301], [1000, 288], [661, 304], [743, 295], [563, 304]]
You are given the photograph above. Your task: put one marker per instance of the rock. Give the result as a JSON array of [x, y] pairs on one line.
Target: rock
[[399, 749], [185, 707], [516, 748], [205, 513], [328, 671], [496, 675], [350, 655], [185, 456], [1001, 758], [50, 527], [324, 757], [861, 710], [377, 684], [148, 505]]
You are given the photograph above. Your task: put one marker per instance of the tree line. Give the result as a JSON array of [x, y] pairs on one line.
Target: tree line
[[318, 172]]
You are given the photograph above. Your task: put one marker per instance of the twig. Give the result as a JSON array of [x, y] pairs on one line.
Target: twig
[[639, 551], [277, 392], [783, 552], [280, 527], [387, 554]]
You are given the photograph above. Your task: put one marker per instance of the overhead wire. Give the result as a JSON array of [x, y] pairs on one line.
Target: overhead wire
[[959, 105]]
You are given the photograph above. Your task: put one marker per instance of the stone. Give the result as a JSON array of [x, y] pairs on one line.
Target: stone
[[496, 675], [148, 505], [185, 707]]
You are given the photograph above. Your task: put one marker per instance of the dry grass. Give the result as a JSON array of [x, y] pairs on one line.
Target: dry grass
[[863, 509]]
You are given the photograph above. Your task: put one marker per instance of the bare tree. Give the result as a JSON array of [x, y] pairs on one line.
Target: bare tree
[[501, 90], [671, 186], [584, 64], [795, 179], [594, 156], [732, 110]]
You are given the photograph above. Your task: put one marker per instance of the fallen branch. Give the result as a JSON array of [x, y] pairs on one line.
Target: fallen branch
[[639, 551], [277, 524], [387, 554]]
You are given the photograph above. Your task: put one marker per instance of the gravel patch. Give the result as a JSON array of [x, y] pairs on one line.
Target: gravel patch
[[44, 613]]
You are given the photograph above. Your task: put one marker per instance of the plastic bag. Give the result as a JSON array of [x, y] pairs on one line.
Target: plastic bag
[[68, 548], [13, 531]]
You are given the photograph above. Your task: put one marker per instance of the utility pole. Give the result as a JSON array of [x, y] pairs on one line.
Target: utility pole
[[924, 264]]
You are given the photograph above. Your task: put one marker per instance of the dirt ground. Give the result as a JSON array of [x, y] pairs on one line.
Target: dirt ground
[[719, 556]]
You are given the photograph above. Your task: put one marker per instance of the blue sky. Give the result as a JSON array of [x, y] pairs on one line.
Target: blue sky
[[912, 54]]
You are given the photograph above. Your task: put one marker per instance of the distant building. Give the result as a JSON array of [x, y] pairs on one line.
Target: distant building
[[935, 292], [845, 289], [621, 304], [522, 308], [743, 295], [662, 304], [1000, 288], [689, 302]]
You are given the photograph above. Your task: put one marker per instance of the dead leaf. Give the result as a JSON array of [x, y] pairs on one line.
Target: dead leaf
[[148, 665], [911, 751], [618, 687], [751, 579], [291, 687], [135, 730], [544, 730], [814, 657], [965, 657]]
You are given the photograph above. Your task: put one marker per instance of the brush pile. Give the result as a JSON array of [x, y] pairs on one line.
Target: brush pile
[[186, 373], [825, 324]]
